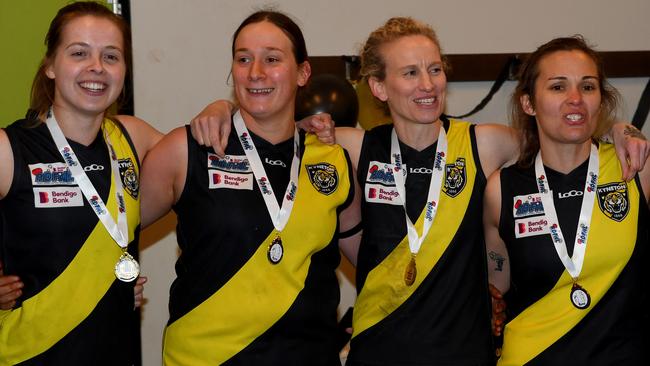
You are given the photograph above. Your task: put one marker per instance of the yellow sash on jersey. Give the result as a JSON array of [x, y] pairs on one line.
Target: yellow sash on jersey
[[384, 290], [553, 316], [260, 293], [45, 318]]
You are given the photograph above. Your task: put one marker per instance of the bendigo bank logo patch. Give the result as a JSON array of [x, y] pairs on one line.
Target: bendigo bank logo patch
[[324, 177], [455, 178], [130, 180], [613, 200]]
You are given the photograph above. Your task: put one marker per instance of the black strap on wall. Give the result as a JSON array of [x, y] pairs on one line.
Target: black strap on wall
[[506, 73], [641, 114]]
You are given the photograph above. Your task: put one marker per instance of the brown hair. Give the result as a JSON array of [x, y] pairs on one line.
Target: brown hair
[[282, 21], [42, 94], [526, 86], [372, 61]]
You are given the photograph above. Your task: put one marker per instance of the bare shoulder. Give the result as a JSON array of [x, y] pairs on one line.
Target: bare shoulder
[[492, 196], [143, 135], [6, 164], [175, 140], [350, 139], [498, 146]]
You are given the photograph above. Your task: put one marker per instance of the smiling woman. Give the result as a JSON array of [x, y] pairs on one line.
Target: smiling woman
[[256, 281], [70, 277]]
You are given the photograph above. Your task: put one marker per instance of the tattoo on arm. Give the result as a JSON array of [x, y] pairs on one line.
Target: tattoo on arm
[[633, 132], [498, 259]]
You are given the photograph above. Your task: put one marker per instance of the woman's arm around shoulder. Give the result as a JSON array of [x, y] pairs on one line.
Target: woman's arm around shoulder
[[350, 225], [497, 253], [163, 175]]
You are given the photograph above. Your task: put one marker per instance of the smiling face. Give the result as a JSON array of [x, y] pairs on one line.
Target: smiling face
[[415, 83], [567, 98], [88, 67], [265, 73]]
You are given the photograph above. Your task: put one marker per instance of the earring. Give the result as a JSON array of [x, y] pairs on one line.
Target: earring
[[229, 79]]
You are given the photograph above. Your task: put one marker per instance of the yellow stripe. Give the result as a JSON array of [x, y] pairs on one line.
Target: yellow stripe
[[384, 289], [553, 316], [47, 317], [260, 293]]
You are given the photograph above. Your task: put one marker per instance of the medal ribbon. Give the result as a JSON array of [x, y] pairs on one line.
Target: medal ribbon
[[119, 232], [573, 265], [435, 186], [279, 215]]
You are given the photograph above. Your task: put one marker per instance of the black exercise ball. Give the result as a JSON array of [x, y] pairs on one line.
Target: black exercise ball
[[327, 93]]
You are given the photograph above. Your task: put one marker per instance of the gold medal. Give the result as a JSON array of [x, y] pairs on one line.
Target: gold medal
[[127, 268], [411, 272]]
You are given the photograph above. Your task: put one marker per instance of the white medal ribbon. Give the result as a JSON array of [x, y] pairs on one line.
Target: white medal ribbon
[[435, 186], [279, 215], [120, 231], [573, 264]]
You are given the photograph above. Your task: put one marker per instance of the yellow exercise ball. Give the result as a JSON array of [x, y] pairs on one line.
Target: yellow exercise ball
[[370, 112]]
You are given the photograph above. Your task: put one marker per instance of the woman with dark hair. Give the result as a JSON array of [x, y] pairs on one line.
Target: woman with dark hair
[[257, 228], [69, 201], [571, 234]]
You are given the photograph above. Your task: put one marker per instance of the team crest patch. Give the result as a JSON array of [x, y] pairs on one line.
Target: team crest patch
[[323, 177], [455, 178], [613, 200], [129, 176]]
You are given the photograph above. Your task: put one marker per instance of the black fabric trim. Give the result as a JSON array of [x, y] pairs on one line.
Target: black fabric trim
[[350, 232]]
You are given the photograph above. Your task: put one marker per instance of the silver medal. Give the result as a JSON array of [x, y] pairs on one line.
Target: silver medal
[[127, 268], [276, 251], [580, 297]]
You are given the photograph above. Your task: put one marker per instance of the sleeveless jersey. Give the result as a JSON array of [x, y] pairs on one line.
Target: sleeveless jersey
[[229, 304], [545, 328], [443, 318], [73, 310]]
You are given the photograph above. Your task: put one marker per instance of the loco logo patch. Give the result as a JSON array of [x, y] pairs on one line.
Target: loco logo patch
[[130, 179], [613, 200], [324, 177], [455, 178]]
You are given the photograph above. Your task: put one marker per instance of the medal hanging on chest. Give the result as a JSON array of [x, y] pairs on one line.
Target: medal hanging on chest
[[127, 268], [579, 296], [276, 251], [279, 215], [411, 272], [433, 197]]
